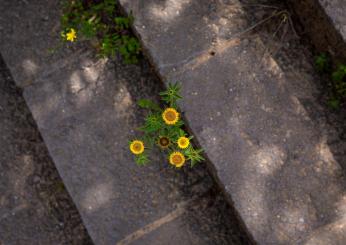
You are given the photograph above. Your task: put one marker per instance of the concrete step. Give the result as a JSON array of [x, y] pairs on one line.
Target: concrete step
[[252, 102], [85, 110]]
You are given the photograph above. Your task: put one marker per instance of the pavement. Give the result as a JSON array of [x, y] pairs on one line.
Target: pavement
[[85, 109], [252, 102]]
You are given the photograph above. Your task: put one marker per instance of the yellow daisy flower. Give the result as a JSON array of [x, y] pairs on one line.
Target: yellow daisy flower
[[183, 142], [170, 116], [177, 159], [164, 142], [137, 147], [71, 35]]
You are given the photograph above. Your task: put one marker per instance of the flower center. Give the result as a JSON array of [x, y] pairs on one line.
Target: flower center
[[177, 159], [137, 147], [170, 116], [164, 141]]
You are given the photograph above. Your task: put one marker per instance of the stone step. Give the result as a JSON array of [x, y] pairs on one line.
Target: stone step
[[85, 110], [253, 104]]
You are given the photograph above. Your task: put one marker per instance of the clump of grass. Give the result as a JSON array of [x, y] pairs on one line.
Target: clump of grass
[[163, 127], [100, 22], [337, 79]]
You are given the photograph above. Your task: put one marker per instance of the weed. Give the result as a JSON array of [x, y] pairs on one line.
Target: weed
[[100, 21], [322, 63], [337, 76], [163, 128]]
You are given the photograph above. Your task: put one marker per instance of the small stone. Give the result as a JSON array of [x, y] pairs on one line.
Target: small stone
[[36, 179], [245, 42]]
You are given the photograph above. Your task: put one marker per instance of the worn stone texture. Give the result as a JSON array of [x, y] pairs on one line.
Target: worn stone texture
[[86, 112], [86, 119], [15, 21], [336, 10], [260, 125]]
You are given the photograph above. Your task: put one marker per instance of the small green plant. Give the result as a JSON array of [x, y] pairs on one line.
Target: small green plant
[[163, 128], [337, 84], [322, 63], [100, 22]]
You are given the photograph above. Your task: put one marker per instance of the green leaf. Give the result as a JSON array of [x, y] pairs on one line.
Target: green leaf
[[194, 155], [334, 103], [88, 29], [322, 62], [172, 94], [148, 104], [152, 124], [141, 159], [338, 75]]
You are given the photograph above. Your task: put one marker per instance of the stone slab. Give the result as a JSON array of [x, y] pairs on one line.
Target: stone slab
[[260, 124], [336, 10], [85, 110], [86, 119]]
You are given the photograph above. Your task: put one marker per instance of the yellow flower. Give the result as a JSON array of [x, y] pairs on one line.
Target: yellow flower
[[164, 142], [137, 147], [177, 159], [71, 35], [183, 142], [170, 116]]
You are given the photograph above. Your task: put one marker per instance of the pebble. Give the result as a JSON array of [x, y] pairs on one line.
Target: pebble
[[36, 179], [246, 42]]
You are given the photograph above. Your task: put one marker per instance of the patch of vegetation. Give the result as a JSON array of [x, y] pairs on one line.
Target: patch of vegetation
[[100, 21], [163, 128], [337, 82]]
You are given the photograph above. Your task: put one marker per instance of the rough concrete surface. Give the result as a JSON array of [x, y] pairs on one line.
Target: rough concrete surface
[[34, 206], [336, 10], [44, 31], [258, 120], [85, 110], [86, 118]]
